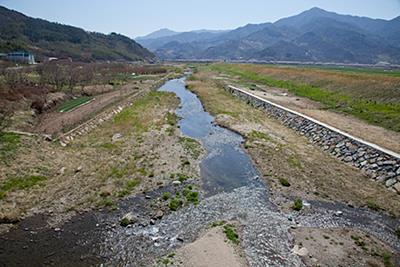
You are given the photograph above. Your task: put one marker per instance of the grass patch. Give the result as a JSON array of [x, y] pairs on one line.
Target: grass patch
[[297, 205], [256, 135], [143, 114], [192, 146], [74, 103], [373, 111], [166, 196], [387, 260], [129, 186], [231, 234], [373, 206], [175, 203], [9, 143], [284, 182], [20, 183], [172, 119], [217, 223]]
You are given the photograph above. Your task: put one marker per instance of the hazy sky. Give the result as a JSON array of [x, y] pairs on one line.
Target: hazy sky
[[140, 17]]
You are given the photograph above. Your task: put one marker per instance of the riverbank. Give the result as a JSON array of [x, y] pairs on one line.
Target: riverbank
[[292, 167]]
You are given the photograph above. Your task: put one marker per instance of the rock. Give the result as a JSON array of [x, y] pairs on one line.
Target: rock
[[62, 171], [300, 251], [128, 219], [176, 183], [390, 182], [116, 137], [159, 214], [397, 187], [338, 213], [48, 137], [147, 197], [63, 144], [79, 169], [348, 159], [57, 229], [152, 222]]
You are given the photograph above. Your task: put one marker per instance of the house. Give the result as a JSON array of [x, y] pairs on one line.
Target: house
[[21, 57]]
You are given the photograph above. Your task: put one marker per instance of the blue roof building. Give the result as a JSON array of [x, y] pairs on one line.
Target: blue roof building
[[21, 57]]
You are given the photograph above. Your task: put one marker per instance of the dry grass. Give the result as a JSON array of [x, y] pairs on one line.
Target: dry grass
[[280, 153], [373, 98]]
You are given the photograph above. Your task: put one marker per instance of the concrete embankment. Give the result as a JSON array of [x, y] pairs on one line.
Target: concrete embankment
[[378, 163]]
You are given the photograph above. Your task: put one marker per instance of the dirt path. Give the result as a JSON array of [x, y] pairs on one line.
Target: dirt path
[[374, 134], [211, 250]]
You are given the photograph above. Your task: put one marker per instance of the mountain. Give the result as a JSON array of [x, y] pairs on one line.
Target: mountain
[[158, 34], [47, 39], [315, 35]]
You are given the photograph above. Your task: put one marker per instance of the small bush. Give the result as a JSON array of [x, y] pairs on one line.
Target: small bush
[[298, 204], [284, 182], [231, 234], [166, 195], [175, 204]]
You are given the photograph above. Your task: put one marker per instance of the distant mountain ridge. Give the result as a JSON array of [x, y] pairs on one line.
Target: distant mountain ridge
[[48, 39], [315, 35]]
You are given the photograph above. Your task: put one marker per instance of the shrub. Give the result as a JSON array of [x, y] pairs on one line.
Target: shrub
[[298, 204]]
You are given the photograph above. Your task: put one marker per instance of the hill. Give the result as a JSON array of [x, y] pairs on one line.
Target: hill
[[48, 39], [315, 35]]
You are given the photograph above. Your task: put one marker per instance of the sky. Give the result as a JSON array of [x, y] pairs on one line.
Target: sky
[[140, 17]]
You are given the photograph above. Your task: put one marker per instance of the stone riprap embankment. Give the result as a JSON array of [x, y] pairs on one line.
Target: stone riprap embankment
[[378, 163]]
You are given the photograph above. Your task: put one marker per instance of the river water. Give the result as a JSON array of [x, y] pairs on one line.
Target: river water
[[227, 166], [233, 192]]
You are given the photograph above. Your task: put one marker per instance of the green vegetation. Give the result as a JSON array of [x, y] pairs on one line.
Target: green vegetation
[[284, 182], [124, 222], [188, 195], [20, 183], [231, 234], [166, 195], [129, 186], [192, 146], [256, 135], [298, 204], [191, 196], [375, 112], [65, 41], [175, 203], [373, 206], [217, 223], [172, 119], [397, 232], [9, 143], [138, 116], [74, 103], [387, 260]]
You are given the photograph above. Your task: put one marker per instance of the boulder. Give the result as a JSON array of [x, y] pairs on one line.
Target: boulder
[[128, 219]]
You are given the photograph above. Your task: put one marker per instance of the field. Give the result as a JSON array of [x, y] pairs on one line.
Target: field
[[370, 96], [73, 104]]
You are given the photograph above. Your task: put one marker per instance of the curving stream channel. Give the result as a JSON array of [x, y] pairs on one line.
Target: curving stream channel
[[232, 192]]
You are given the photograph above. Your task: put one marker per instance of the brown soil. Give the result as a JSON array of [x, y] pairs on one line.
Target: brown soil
[[280, 153], [211, 250], [342, 247]]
